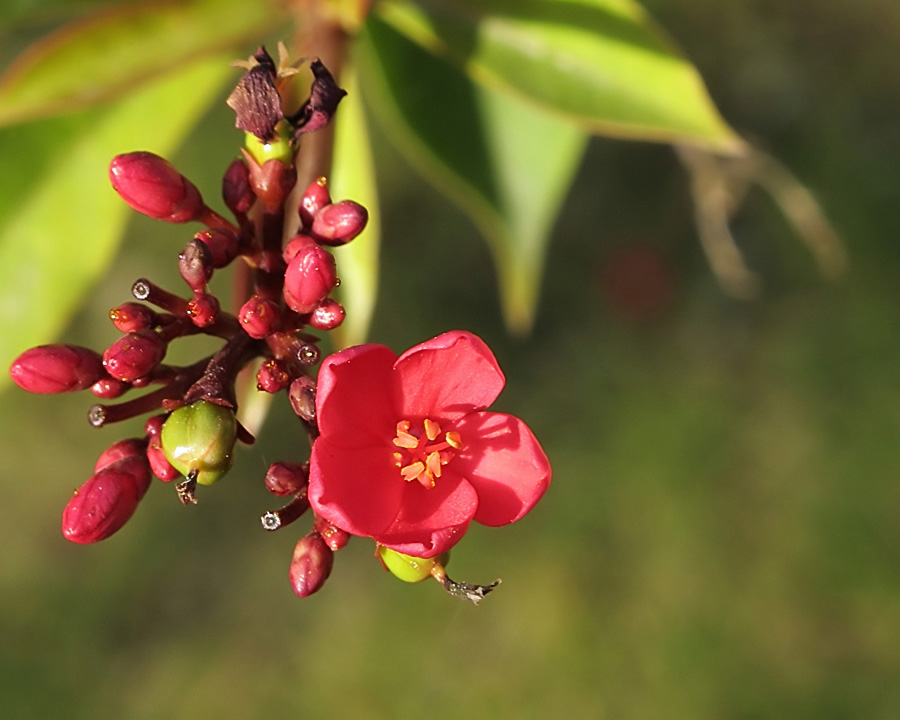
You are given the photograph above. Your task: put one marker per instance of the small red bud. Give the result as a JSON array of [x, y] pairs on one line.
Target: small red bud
[[315, 197], [106, 501], [108, 388], [295, 245], [287, 478], [272, 182], [311, 565], [236, 190], [195, 264], [203, 309], [56, 368], [152, 186], [327, 315], [334, 537], [272, 376], [303, 398], [159, 464], [260, 318], [132, 316], [223, 245], [134, 355], [309, 277], [339, 223], [130, 447]]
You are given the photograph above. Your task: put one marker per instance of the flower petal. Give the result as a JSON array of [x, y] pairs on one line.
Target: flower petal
[[359, 490], [353, 396], [447, 377], [432, 520], [504, 462]]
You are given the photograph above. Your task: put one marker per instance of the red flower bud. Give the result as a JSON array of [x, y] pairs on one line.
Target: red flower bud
[[334, 537], [295, 245], [132, 316], [315, 197], [195, 264], [286, 478], [309, 277], [272, 376], [223, 245], [56, 368], [131, 447], [203, 309], [159, 464], [236, 190], [272, 182], [109, 388], [134, 355], [327, 315], [311, 565], [153, 187], [259, 318], [106, 501], [339, 223], [303, 398]]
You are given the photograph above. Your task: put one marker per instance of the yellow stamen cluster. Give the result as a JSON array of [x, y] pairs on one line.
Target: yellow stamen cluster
[[423, 457]]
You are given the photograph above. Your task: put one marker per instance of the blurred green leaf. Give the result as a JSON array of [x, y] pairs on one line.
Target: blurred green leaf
[[59, 232], [507, 164], [117, 48], [602, 63], [353, 177]]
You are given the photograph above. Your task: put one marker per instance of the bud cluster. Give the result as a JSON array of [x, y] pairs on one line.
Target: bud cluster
[[192, 428], [282, 295]]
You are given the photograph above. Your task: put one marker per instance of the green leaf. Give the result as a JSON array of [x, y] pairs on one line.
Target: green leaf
[[353, 178], [117, 48], [603, 63], [507, 164], [59, 230]]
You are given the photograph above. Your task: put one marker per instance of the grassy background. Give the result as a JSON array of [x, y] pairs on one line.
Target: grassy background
[[722, 537]]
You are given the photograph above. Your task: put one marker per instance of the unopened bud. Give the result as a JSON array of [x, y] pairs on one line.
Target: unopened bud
[[195, 264], [108, 388], [159, 465], [271, 182], [134, 355], [132, 316], [203, 309], [315, 197], [130, 447], [309, 277], [152, 186], [327, 315], [200, 438], [311, 565], [106, 501], [223, 245], [303, 398], [334, 537], [260, 318], [339, 223], [56, 368], [295, 245], [236, 190], [272, 376], [286, 478]]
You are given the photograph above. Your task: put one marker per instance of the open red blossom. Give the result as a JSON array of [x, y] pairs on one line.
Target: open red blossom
[[407, 454]]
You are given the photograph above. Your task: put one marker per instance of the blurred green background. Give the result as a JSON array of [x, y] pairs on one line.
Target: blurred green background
[[722, 536]]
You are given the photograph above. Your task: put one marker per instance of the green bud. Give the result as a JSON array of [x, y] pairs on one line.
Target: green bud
[[200, 437], [408, 568], [279, 148]]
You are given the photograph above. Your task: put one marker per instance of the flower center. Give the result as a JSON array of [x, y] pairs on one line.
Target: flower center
[[423, 452]]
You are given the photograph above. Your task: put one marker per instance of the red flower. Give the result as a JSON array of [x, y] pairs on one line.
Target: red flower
[[407, 454]]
